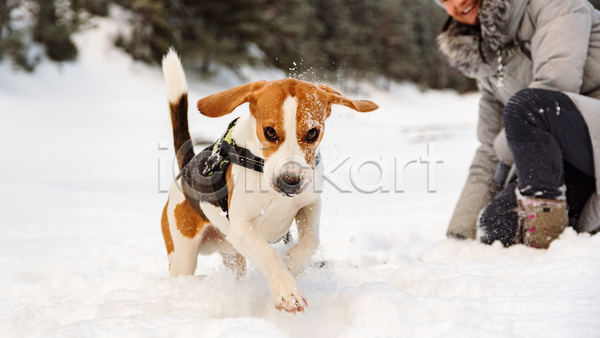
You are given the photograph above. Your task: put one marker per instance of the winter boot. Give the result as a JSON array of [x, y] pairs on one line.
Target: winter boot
[[541, 220]]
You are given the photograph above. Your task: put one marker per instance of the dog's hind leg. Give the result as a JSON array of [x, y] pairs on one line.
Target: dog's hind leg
[[185, 224]]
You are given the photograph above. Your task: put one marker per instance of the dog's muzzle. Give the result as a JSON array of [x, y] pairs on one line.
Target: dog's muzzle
[[290, 181]]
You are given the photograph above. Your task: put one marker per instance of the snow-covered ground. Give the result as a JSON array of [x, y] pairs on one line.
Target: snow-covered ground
[[82, 254]]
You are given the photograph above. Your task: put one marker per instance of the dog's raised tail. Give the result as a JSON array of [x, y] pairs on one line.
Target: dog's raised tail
[[178, 103]]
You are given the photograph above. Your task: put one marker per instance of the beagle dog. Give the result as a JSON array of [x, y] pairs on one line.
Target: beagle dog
[[270, 175]]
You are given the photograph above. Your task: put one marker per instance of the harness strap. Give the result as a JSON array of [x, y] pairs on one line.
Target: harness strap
[[242, 157], [224, 204], [225, 151]]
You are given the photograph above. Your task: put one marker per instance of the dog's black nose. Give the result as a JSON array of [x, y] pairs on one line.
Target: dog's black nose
[[289, 184]]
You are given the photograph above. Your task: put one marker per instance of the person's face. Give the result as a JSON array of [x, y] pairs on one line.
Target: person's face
[[464, 11]]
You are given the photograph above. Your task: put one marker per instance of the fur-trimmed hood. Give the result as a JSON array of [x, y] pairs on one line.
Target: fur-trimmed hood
[[473, 49]]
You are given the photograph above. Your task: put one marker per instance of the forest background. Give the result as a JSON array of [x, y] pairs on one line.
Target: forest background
[[370, 40]]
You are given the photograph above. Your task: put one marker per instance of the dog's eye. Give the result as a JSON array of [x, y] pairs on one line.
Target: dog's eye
[[270, 134], [312, 135]]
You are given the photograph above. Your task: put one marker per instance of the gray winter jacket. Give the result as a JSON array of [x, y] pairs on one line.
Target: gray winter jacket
[[546, 44]]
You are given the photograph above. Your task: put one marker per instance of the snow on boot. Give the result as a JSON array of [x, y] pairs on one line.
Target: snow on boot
[[541, 220]]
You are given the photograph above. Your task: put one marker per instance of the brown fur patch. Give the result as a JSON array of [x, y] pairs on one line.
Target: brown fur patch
[[164, 222], [189, 221], [313, 110], [230, 186], [266, 106], [361, 106], [225, 102]]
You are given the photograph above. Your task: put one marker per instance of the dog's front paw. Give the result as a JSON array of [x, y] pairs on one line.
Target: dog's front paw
[[287, 295]]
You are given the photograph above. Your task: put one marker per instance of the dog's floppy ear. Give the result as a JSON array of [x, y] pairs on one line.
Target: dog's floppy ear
[[361, 106], [225, 102]]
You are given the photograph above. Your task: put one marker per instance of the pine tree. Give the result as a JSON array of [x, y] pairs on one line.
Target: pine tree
[[329, 36], [53, 29], [306, 38], [150, 37], [287, 25], [395, 49], [13, 41], [96, 7]]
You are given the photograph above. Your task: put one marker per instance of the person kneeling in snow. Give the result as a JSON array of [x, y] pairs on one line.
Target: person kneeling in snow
[[537, 64]]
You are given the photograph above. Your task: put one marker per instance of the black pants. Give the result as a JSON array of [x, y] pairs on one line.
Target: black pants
[[552, 149]]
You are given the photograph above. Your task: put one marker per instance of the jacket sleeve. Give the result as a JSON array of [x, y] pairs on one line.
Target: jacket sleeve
[[480, 185], [559, 46]]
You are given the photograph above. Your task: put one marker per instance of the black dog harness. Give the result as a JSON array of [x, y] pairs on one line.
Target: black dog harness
[[203, 178]]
